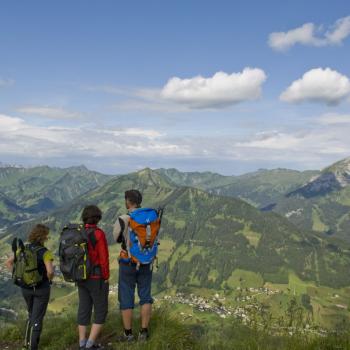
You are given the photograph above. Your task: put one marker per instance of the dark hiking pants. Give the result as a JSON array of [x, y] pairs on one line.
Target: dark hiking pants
[[93, 294], [37, 301]]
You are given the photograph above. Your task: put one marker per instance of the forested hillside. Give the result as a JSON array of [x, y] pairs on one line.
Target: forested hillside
[[212, 236], [209, 243], [27, 192]]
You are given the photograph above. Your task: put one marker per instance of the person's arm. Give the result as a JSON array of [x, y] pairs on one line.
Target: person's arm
[[48, 261], [9, 263], [117, 231], [102, 250], [120, 230]]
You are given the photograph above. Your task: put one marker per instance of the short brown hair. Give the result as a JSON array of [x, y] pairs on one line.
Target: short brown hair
[[134, 197], [38, 234], [91, 215]]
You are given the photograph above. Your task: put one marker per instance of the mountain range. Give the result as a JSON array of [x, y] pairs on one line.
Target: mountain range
[[28, 192], [208, 235], [317, 201]]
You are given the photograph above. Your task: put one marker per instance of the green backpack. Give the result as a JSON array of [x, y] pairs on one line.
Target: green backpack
[[25, 268]]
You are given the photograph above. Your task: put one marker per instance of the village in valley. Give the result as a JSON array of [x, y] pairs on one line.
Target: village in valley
[[221, 305]]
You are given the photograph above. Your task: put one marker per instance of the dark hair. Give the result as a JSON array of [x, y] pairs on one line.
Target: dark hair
[[38, 234], [91, 215], [134, 197]]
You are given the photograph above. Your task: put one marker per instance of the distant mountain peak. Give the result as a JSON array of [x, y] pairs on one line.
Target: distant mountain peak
[[332, 178], [6, 165], [146, 171], [341, 170], [81, 168]]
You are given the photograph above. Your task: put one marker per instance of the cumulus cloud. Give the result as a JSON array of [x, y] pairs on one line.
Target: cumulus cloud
[[310, 35], [319, 85], [218, 91], [49, 112], [304, 35], [182, 95]]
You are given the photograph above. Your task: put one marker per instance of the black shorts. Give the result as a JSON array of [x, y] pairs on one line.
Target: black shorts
[[92, 294]]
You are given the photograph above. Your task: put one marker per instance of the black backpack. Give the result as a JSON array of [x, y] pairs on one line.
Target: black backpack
[[75, 264]]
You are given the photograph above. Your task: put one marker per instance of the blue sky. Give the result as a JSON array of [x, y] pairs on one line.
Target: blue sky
[[91, 82]]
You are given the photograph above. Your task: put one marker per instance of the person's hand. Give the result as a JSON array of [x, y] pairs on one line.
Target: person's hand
[[106, 281]]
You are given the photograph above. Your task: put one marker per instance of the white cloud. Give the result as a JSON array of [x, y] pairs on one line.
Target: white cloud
[[151, 134], [318, 85], [49, 112], [219, 91], [313, 145], [273, 140], [339, 32], [303, 35], [333, 119], [183, 95], [310, 35], [18, 137], [299, 146]]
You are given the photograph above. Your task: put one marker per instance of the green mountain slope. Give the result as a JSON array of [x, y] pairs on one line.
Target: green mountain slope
[[9, 211], [202, 180], [259, 188], [212, 236], [43, 188], [264, 186], [212, 244]]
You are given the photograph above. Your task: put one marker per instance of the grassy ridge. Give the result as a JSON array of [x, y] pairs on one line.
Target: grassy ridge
[[168, 331]]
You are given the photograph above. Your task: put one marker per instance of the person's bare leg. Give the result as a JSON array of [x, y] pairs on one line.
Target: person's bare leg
[[146, 311], [127, 318], [82, 333], [95, 332]]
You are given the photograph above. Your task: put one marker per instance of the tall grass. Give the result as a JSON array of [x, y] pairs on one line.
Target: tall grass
[[168, 331]]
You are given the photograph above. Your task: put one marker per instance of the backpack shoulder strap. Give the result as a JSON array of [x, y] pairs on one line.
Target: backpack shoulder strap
[[21, 245], [160, 213], [90, 233], [14, 249], [38, 248], [127, 238], [39, 251]]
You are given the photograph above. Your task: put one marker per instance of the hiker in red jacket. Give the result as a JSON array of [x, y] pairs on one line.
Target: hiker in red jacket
[[93, 293]]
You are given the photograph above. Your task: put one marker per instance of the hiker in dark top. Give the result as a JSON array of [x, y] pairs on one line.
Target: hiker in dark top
[[93, 293], [131, 275], [37, 297]]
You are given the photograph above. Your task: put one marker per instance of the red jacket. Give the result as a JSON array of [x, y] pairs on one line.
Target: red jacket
[[99, 255]]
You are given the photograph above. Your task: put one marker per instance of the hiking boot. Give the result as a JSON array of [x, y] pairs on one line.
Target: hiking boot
[[143, 336], [96, 346], [126, 338]]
